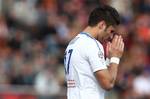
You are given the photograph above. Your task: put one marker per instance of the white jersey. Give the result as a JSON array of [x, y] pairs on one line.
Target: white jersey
[[84, 56]]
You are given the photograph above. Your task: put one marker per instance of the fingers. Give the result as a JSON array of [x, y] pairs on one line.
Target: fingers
[[118, 42], [115, 39], [117, 46], [122, 46], [108, 48]]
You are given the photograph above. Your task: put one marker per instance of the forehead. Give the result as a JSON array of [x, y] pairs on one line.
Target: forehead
[[112, 27]]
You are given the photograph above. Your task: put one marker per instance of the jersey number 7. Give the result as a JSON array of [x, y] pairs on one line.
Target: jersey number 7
[[67, 58]]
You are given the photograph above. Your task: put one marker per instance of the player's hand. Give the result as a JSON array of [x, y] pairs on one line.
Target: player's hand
[[116, 47]]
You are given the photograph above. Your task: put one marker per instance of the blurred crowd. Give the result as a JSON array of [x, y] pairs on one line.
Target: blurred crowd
[[34, 35]]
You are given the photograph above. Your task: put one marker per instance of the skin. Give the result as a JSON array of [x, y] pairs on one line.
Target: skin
[[115, 48]]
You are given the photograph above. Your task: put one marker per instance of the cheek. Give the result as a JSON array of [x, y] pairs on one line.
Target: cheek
[[107, 33]]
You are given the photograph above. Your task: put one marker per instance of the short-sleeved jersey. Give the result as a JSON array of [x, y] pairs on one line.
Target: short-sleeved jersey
[[83, 56]]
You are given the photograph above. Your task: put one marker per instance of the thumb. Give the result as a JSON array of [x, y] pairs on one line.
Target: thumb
[[108, 48]]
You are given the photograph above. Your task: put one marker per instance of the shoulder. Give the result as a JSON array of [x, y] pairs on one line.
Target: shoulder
[[82, 41], [86, 40], [100, 45]]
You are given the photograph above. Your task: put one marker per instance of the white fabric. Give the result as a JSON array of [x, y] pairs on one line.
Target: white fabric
[[86, 58], [115, 60], [107, 61]]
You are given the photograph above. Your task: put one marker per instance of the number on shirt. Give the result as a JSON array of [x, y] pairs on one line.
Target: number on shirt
[[67, 58]]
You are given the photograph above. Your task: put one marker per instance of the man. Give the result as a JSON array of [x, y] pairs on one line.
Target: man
[[87, 74]]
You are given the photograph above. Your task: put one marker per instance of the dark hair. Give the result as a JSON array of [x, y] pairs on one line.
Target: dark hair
[[106, 13]]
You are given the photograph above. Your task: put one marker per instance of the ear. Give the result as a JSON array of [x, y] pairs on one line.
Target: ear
[[102, 25]]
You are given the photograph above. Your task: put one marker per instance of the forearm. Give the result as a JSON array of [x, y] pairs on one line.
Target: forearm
[[107, 77], [113, 69]]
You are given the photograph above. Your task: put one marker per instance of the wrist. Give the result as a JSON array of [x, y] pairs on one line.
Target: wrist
[[107, 61], [115, 60]]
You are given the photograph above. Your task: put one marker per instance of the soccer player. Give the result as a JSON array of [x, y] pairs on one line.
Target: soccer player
[[88, 74]]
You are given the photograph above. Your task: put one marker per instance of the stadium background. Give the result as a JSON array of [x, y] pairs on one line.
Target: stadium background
[[34, 34]]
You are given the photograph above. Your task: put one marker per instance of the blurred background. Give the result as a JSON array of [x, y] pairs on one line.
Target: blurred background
[[34, 35]]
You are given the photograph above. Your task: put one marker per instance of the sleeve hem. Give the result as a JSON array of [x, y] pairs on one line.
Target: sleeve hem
[[100, 68]]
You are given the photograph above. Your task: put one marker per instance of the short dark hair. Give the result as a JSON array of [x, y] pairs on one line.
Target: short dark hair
[[106, 13]]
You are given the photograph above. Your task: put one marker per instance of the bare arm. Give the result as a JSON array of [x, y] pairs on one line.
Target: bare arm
[[107, 77]]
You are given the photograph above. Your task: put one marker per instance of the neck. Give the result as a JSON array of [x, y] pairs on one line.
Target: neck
[[92, 31]]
